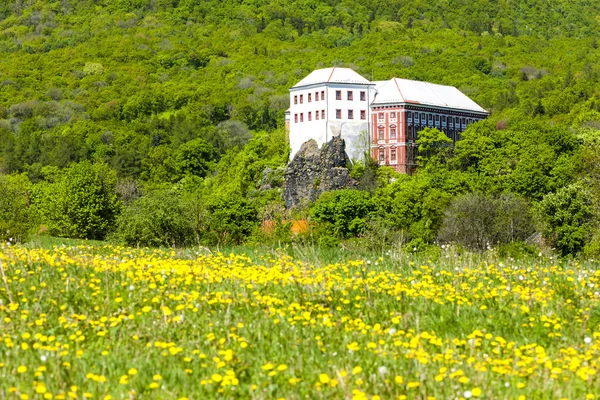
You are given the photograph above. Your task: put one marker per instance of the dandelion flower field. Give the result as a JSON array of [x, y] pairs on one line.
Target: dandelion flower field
[[108, 322]]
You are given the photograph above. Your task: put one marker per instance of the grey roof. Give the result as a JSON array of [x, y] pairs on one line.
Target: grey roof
[[333, 75], [398, 90]]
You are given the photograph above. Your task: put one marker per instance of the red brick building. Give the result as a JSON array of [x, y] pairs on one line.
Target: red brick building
[[401, 108]]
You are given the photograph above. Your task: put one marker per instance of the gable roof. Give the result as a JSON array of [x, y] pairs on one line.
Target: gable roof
[[398, 90], [333, 75]]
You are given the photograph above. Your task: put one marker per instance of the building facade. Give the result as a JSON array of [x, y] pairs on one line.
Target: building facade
[[382, 118], [331, 102]]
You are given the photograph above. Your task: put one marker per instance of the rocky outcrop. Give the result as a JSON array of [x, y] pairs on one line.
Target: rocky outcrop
[[314, 171]]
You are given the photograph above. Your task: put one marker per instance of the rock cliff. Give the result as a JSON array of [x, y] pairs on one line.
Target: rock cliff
[[314, 171]]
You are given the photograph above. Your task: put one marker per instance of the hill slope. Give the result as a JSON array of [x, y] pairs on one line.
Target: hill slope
[[125, 81]]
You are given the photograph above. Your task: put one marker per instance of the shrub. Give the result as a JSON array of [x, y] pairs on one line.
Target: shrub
[[477, 221], [155, 219], [346, 210], [232, 219], [80, 203], [14, 208], [566, 218]]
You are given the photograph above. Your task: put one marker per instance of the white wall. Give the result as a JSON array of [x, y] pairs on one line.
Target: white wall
[[301, 132], [353, 131]]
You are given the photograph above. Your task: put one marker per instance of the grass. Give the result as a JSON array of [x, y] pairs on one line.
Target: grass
[[89, 320]]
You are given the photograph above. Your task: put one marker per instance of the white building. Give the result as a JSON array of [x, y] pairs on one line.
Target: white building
[[331, 102], [382, 118]]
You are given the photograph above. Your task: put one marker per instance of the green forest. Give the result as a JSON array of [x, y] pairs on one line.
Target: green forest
[[160, 122]]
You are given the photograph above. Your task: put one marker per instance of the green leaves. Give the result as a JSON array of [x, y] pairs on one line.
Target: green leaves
[[15, 218], [566, 218], [80, 203], [346, 211]]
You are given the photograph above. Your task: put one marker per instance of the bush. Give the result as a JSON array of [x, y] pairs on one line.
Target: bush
[[477, 221], [566, 218], [232, 219], [155, 219], [14, 208], [347, 211], [80, 203]]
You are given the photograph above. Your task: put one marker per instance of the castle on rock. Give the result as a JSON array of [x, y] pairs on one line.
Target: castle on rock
[[381, 118]]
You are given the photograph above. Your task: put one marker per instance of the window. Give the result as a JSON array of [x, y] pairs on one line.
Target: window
[[350, 114], [296, 99], [456, 120], [393, 115], [317, 115], [437, 118], [338, 94], [301, 117], [409, 116], [381, 116], [363, 114], [338, 114], [430, 118], [381, 155], [380, 134], [443, 119], [350, 95], [301, 98], [309, 97], [296, 118], [322, 114], [393, 133], [363, 96], [322, 95], [310, 112], [316, 96], [393, 155]]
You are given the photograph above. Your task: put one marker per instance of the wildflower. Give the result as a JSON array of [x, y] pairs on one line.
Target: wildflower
[[324, 378]]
